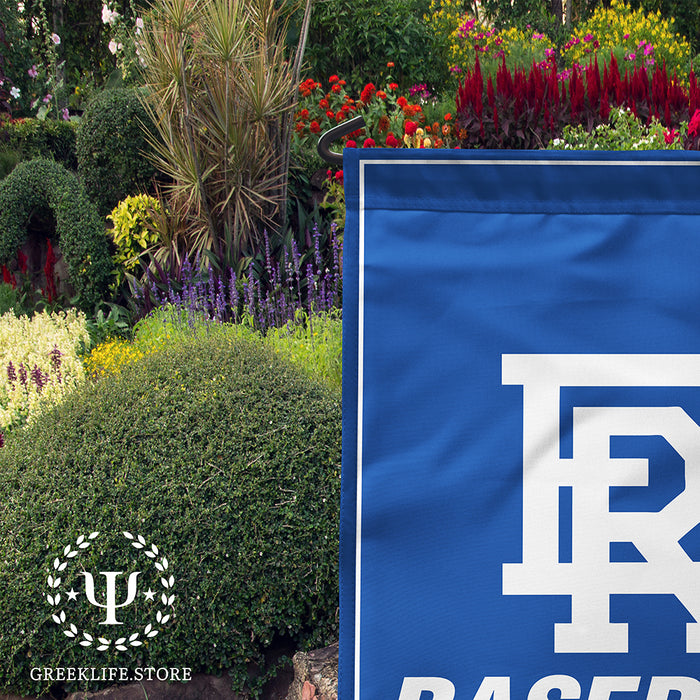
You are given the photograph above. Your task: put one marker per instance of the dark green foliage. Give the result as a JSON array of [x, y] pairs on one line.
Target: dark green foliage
[[355, 39], [38, 185], [218, 452], [32, 138], [111, 146]]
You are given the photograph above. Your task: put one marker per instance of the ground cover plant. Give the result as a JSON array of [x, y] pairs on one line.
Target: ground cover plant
[[228, 459]]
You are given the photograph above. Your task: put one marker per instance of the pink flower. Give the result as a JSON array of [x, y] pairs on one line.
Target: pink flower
[[369, 143], [350, 144], [670, 136], [648, 50], [32, 72], [47, 98], [65, 114], [56, 39]]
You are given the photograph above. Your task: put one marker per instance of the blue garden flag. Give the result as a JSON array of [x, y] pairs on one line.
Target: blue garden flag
[[521, 410]]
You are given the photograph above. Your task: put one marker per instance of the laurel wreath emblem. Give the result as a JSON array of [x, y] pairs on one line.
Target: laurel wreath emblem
[[54, 598]]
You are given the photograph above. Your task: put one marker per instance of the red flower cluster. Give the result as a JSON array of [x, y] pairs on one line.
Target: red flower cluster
[[527, 109], [367, 92], [308, 86]]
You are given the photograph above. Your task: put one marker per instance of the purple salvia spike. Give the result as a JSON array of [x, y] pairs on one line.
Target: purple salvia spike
[[22, 374], [11, 374]]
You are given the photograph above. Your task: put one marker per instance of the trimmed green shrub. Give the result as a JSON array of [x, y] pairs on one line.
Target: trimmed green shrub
[[48, 138], [41, 184], [214, 450], [111, 144]]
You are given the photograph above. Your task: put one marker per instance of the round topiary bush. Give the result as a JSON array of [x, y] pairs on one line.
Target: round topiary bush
[[40, 184], [111, 144], [225, 460]]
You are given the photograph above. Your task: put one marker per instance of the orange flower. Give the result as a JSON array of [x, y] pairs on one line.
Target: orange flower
[[448, 117], [381, 94], [402, 101], [390, 64]]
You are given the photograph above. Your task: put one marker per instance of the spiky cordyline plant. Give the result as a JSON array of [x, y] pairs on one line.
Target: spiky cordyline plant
[[220, 89]]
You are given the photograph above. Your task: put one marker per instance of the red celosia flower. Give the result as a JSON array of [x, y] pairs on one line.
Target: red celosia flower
[[410, 127], [369, 143], [670, 136], [350, 144], [694, 126], [22, 261], [391, 141], [315, 127], [8, 277], [339, 177], [333, 79]]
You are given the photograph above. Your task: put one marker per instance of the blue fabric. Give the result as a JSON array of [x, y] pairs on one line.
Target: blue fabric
[[454, 261]]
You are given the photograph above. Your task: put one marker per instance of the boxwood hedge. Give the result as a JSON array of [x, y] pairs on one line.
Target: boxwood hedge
[[41, 184], [225, 460], [111, 146]]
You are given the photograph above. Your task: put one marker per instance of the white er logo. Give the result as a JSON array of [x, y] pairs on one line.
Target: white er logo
[[590, 578]]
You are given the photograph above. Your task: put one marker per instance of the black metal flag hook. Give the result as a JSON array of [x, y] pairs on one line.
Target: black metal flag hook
[[337, 132]]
